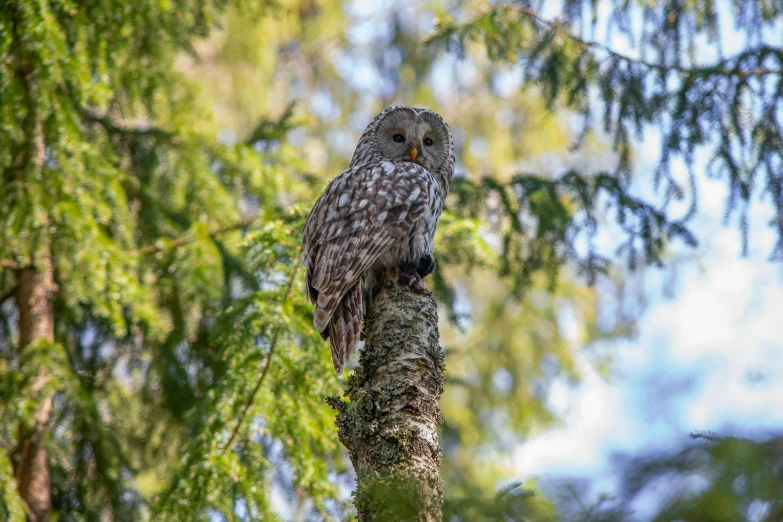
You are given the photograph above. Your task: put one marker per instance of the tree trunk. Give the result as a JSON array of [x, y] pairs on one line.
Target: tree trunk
[[35, 293], [389, 422], [36, 323]]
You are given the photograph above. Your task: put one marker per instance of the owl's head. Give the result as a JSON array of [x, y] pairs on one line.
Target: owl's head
[[402, 133]]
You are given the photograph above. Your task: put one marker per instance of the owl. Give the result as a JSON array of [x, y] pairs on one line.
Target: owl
[[375, 222]]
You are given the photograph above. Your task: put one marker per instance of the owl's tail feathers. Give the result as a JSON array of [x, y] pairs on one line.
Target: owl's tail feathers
[[345, 327]]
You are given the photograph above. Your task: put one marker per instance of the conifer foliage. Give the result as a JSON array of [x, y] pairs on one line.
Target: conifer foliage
[[726, 106], [155, 329]]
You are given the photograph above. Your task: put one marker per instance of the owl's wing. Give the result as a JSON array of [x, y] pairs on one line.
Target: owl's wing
[[359, 216]]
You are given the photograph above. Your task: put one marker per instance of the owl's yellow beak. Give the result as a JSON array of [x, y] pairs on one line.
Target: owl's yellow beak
[[414, 153]]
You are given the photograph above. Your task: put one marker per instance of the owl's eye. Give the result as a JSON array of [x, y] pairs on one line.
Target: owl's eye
[[399, 138], [428, 142]]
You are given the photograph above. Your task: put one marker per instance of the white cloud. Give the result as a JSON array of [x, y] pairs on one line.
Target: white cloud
[[595, 417]]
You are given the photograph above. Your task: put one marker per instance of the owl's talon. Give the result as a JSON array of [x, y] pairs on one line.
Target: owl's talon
[[419, 285], [426, 265], [410, 278]]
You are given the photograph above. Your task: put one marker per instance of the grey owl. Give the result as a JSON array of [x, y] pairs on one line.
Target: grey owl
[[375, 222]]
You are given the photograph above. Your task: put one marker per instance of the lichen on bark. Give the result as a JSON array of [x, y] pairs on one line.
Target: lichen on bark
[[390, 415]]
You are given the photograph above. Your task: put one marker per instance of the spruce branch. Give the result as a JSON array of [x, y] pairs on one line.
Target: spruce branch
[[152, 249], [114, 125], [272, 347], [271, 129], [157, 247], [722, 68]]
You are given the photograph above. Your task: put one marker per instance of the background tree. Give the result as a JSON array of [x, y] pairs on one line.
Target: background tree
[[121, 244]]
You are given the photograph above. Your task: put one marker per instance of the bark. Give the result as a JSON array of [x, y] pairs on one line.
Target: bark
[[390, 418], [36, 322]]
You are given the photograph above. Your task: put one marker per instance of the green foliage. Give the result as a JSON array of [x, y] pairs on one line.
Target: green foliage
[[12, 507], [540, 223], [266, 395], [731, 108], [511, 502]]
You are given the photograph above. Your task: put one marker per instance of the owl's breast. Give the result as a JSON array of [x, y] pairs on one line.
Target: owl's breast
[[419, 241]]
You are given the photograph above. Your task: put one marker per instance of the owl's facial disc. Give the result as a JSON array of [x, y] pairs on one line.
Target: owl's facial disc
[[405, 135]]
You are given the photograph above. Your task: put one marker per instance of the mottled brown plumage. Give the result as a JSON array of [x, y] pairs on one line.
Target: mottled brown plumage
[[377, 216]]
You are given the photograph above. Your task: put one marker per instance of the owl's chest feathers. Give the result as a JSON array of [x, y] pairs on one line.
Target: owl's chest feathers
[[419, 241]]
